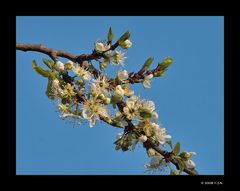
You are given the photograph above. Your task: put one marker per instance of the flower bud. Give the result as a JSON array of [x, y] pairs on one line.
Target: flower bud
[[107, 101], [119, 91], [159, 73], [126, 44], [142, 138], [59, 66], [69, 65], [151, 152], [122, 75], [187, 155], [101, 96], [103, 66], [55, 83], [80, 82], [166, 63]]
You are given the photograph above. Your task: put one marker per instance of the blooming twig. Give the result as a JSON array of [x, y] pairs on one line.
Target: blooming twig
[[73, 93]]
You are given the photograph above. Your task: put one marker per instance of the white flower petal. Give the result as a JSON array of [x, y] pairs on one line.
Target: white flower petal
[[122, 75], [99, 46], [192, 154], [168, 136], [190, 164], [124, 123], [87, 76], [154, 115], [149, 76], [87, 114], [92, 121], [147, 83]]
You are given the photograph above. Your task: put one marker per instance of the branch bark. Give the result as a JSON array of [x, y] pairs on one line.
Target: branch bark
[[134, 78]]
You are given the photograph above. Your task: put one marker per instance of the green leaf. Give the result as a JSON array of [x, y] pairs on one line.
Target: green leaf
[[169, 142], [110, 35], [159, 73], [166, 63], [64, 100], [115, 99], [174, 172], [124, 37], [176, 148], [182, 154], [49, 91], [40, 70], [145, 113], [49, 63], [148, 63]]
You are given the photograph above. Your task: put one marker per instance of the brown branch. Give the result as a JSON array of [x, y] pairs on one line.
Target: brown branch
[[49, 51], [52, 53], [164, 153], [133, 78]]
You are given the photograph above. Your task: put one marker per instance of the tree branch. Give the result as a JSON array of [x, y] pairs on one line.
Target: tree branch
[[133, 78]]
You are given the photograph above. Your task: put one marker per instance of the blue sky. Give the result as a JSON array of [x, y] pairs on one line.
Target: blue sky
[[189, 98]]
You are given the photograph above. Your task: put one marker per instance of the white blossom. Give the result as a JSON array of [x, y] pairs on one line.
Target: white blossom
[[122, 75], [160, 133], [147, 82], [101, 47], [131, 109], [92, 110], [69, 65], [142, 138], [86, 75], [56, 89], [188, 162], [119, 57], [149, 105], [59, 66], [157, 163], [99, 86], [119, 91]]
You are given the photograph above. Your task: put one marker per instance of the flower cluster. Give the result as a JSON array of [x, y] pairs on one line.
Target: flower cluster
[[116, 57], [90, 97]]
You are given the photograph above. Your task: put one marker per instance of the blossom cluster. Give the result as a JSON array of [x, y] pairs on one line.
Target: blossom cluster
[[87, 97]]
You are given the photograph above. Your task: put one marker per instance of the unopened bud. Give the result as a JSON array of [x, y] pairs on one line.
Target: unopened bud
[[142, 138], [126, 44], [107, 101], [59, 66], [101, 96], [103, 66], [166, 63], [80, 82], [187, 155], [159, 73], [69, 65], [151, 152]]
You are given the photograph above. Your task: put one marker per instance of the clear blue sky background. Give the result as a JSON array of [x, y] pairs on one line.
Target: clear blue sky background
[[189, 98]]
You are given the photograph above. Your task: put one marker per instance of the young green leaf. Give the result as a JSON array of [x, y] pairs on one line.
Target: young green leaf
[[176, 149], [40, 70], [145, 113], [166, 63], [148, 63], [174, 172], [124, 37], [159, 73], [49, 63], [49, 91], [110, 35]]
